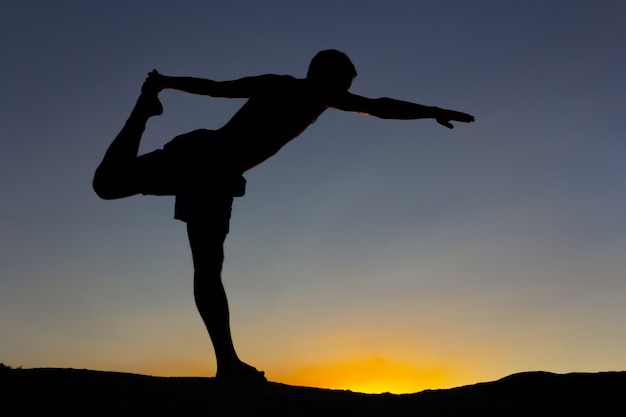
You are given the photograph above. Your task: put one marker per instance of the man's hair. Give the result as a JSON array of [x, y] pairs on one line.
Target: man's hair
[[331, 62]]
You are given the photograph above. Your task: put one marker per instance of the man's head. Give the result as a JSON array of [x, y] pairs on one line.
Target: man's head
[[332, 69]]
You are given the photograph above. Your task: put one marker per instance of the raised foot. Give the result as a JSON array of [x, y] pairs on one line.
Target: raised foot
[[149, 105]]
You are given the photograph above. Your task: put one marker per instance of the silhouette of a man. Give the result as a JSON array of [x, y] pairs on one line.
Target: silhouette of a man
[[204, 168]]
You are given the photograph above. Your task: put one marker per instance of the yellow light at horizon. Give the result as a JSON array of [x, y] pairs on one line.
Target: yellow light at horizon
[[372, 375], [369, 375]]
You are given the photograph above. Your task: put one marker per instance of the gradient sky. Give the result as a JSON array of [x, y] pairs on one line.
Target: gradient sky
[[369, 255]]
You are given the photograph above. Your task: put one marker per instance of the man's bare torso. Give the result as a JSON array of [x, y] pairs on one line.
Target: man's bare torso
[[280, 108]]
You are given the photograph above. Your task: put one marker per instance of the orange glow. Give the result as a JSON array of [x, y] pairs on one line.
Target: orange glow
[[372, 375]]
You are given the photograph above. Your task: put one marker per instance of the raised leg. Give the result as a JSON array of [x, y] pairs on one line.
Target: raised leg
[[112, 178], [207, 248]]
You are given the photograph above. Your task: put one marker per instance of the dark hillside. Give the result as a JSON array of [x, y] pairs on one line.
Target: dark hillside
[[48, 391]]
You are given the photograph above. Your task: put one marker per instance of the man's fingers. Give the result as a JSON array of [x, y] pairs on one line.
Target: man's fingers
[[445, 123], [467, 118]]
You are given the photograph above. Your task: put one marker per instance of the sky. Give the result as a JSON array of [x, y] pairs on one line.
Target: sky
[[371, 255]]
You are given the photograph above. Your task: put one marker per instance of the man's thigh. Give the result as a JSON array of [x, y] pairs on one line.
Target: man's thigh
[[153, 174]]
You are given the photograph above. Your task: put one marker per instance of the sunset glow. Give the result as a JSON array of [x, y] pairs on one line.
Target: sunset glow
[[369, 375], [372, 375]]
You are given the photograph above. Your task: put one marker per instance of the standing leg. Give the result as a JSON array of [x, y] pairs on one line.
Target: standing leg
[[207, 248], [112, 177]]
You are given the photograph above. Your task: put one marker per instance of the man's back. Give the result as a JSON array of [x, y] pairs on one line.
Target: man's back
[[278, 109]]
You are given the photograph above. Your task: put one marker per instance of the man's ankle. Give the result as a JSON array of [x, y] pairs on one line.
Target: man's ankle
[[136, 122]]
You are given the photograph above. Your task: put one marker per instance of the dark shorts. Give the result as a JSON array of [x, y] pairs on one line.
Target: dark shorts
[[197, 168]]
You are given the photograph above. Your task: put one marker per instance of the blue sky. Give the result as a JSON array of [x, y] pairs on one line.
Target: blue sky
[[367, 252]]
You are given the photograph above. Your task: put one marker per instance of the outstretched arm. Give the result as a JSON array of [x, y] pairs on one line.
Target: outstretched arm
[[388, 108], [241, 88]]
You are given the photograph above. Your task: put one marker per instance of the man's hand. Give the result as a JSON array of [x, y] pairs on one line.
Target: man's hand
[[447, 116]]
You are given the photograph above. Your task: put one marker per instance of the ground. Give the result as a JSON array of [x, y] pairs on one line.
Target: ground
[[85, 392]]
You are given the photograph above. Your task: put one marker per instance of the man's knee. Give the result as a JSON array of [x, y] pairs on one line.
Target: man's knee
[[101, 191], [100, 186], [107, 188]]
